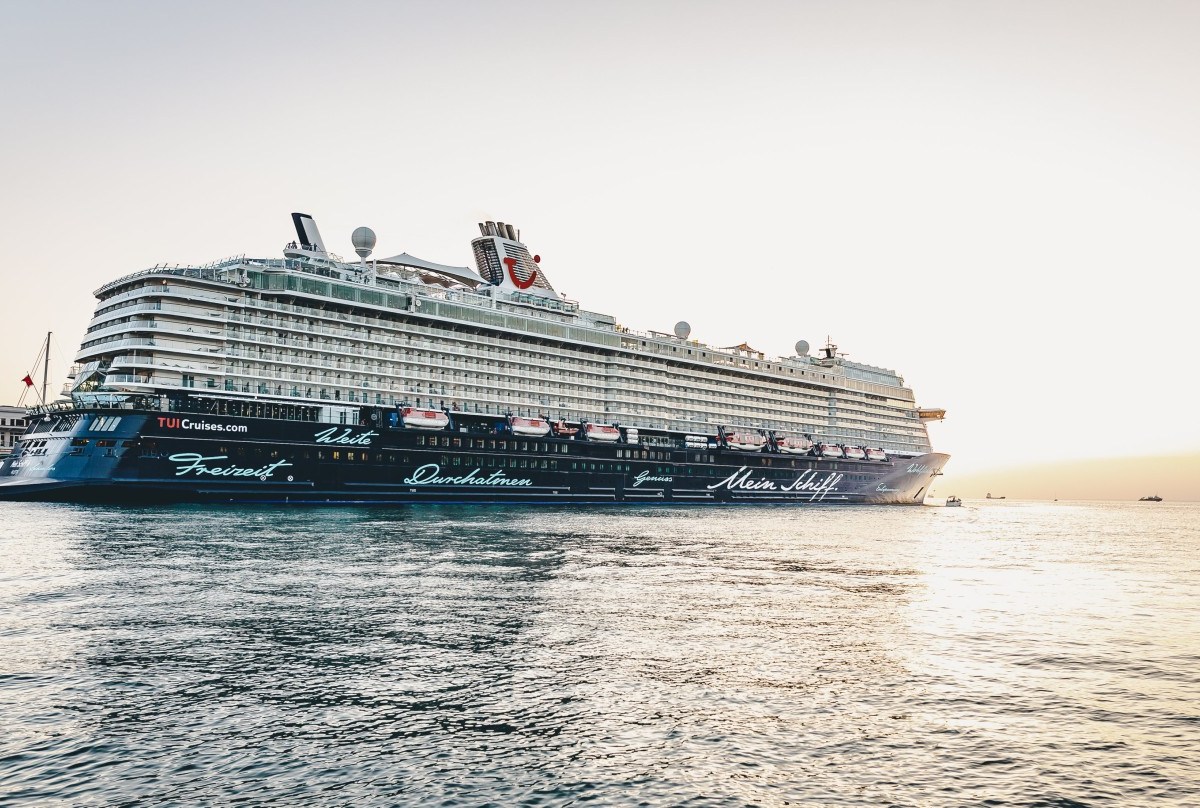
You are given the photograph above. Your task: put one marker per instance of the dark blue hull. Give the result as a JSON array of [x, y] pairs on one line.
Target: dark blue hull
[[124, 456]]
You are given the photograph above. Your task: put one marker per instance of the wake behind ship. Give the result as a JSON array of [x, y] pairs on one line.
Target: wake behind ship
[[314, 379]]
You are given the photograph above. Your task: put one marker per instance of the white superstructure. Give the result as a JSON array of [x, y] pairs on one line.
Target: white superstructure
[[312, 328]]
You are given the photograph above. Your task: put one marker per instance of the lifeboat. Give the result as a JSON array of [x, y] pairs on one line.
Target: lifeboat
[[829, 450], [534, 427], [855, 453], [793, 445], [877, 454], [602, 433], [745, 441], [563, 431], [424, 419], [631, 435]]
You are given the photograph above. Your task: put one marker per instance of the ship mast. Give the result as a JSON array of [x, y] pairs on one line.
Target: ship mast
[[46, 368]]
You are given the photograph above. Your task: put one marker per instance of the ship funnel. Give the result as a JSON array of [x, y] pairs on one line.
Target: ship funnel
[[491, 229], [512, 234], [482, 229], [500, 230], [306, 231]]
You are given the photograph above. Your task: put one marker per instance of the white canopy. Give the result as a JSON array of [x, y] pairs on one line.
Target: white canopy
[[461, 274]]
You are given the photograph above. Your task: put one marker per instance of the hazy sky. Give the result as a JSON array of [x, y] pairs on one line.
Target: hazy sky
[[999, 200]]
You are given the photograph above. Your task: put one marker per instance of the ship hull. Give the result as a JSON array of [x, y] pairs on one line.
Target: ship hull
[[152, 457]]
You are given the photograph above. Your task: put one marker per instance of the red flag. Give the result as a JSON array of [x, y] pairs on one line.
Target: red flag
[[28, 381]]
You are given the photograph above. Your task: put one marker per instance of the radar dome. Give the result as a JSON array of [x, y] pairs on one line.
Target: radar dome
[[802, 347], [682, 329], [363, 239]]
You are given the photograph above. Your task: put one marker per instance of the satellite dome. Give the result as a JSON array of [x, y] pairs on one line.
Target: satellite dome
[[682, 329], [363, 239], [802, 347]]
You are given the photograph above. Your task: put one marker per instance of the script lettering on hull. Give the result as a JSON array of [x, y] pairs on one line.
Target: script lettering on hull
[[200, 465], [431, 474], [344, 436], [817, 484], [647, 477]]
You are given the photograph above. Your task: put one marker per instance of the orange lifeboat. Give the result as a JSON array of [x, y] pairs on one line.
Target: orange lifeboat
[[424, 419], [534, 427], [745, 441], [790, 445], [877, 454], [829, 450], [607, 434], [855, 453]]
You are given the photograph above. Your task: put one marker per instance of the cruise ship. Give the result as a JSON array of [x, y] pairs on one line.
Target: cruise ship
[[312, 378]]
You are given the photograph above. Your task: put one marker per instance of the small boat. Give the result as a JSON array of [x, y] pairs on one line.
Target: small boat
[[829, 450], [424, 419], [953, 502], [607, 434], [562, 430], [745, 441], [989, 496], [793, 445], [877, 454], [534, 427], [855, 453], [1151, 498]]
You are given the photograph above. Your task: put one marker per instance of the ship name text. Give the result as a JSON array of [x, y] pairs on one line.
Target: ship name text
[[809, 482]]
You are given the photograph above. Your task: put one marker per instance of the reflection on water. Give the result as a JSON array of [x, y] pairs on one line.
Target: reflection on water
[[1032, 654]]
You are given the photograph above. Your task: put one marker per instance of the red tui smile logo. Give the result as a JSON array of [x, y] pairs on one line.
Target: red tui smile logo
[[511, 263]]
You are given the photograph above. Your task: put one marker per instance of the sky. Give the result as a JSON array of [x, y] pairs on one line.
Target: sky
[[997, 199]]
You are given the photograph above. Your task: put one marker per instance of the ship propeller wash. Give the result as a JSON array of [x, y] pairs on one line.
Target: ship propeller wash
[[315, 379]]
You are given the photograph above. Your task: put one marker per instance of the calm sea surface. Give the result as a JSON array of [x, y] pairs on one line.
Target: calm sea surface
[[1002, 653]]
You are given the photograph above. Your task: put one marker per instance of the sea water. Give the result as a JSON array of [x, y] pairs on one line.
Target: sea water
[[1020, 653]]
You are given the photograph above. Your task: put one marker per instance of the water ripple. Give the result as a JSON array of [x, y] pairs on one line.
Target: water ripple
[[999, 655]]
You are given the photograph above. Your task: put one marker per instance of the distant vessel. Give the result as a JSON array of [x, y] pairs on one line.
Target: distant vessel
[[1151, 498], [953, 502], [989, 496], [308, 378]]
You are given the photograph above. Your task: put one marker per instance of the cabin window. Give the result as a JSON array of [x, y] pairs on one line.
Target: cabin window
[[337, 455]]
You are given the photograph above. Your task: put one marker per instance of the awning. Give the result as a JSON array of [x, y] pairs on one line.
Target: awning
[[461, 274]]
